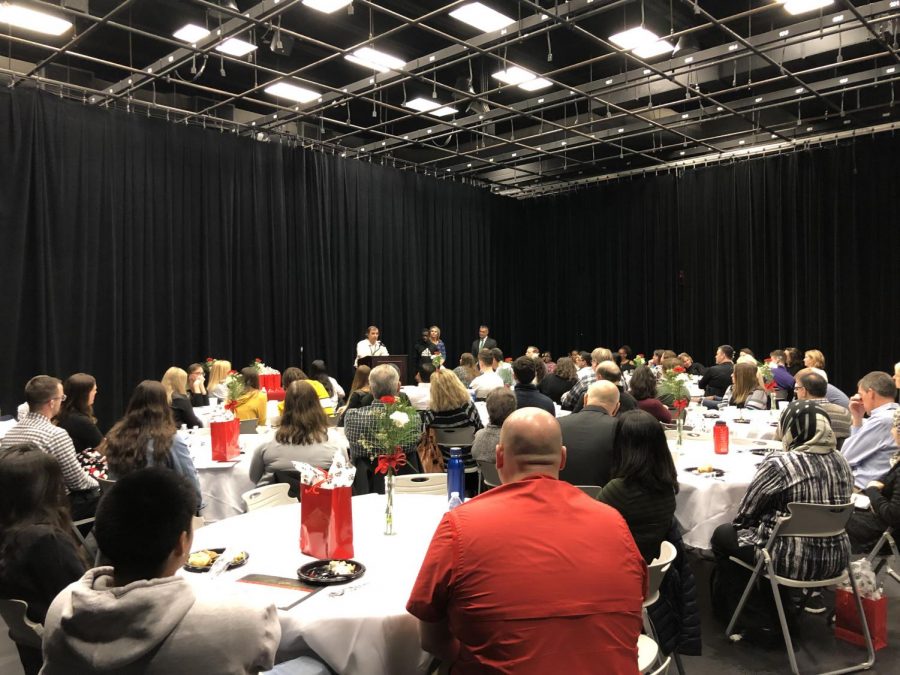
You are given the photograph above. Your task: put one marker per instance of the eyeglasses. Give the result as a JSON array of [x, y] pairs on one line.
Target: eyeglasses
[[59, 398]]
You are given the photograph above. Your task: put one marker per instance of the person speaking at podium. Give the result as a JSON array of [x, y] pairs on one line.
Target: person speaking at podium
[[370, 346]]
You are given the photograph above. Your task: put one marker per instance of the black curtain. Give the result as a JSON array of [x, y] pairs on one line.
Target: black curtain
[[790, 250], [132, 244]]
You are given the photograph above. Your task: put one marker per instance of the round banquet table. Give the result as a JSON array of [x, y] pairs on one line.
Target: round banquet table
[[365, 631], [705, 501]]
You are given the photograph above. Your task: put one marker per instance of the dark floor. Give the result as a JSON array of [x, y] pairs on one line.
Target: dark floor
[[817, 649]]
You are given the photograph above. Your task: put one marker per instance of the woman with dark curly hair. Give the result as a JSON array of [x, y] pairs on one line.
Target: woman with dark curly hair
[[643, 388], [146, 436]]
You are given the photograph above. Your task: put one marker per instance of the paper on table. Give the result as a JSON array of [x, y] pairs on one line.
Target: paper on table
[[282, 592]]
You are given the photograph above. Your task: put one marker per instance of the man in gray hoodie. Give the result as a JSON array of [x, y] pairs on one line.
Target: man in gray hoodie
[[137, 616]]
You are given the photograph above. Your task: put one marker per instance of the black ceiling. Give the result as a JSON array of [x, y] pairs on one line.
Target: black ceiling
[[747, 77]]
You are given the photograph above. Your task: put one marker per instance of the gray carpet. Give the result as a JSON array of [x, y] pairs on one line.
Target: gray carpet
[[816, 648]]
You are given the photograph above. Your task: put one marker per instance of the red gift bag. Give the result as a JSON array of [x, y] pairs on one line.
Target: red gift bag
[[847, 626], [326, 522], [269, 382], [275, 394], [225, 443]]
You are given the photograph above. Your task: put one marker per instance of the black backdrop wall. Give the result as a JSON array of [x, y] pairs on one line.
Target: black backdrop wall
[[132, 244]]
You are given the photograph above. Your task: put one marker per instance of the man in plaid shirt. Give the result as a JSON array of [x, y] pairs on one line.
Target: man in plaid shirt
[[44, 395], [359, 427], [586, 376]]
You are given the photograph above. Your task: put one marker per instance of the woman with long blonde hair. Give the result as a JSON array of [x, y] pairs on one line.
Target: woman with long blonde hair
[[175, 383], [746, 391], [217, 374], [452, 408]]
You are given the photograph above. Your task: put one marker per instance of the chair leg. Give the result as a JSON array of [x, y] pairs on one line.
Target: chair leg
[[783, 621], [743, 600], [651, 631], [865, 625], [678, 664]]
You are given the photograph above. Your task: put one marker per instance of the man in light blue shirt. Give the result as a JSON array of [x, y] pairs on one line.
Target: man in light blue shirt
[[870, 446]]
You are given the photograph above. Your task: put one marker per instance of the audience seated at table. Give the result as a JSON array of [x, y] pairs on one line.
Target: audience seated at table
[[871, 444], [420, 395], [488, 379], [691, 367], [745, 390], [609, 372], [360, 395], [500, 404], [527, 394], [146, 436], [561, 380], [793, 360], [813, 358], [360, 425], [39, 554], [44, 396], [466, 370], [549, 363], [138, 615], [588, 436], [302, 436], [811, 386], [643, 388], [175, 382], [505, 586], [623, 358], [832, 393], [452, 408], [196, 386], [218, 372], [809, 470], [293, 374], [866, 527], [319, 371], [784, 380], [717, 378], [643, 481], [252, 403], [76, 416], [587, 375]]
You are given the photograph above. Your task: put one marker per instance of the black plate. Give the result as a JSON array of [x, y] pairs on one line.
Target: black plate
[[317, 573], [718, 473], [711, 416], [220, 551]]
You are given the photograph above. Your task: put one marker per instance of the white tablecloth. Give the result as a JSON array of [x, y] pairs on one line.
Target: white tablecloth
[[223, 483], [704, 501], [366, 631]]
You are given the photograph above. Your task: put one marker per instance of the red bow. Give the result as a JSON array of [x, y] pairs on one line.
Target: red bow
[[314, 488], [231, 405], [770, 386], [681, 404], [388, 399], [678, 369], [392, 462]]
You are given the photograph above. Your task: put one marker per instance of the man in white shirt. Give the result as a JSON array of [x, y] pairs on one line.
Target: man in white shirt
[[370, 346], [488, 380], [420, 395]]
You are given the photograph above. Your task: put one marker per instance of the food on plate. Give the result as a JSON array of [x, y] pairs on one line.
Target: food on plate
[[341, 567], [706, 468], [203, 558]]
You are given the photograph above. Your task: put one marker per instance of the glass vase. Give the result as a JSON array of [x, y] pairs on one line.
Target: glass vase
[[389, 502], [679, 426]]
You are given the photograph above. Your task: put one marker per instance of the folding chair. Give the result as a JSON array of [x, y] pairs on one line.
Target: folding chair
[[22, 630], [266, 496], [656, 573], [105, 485], [488, 474], [421, 483], [456, 437], [886, 538], [249, 426], [804, 520]]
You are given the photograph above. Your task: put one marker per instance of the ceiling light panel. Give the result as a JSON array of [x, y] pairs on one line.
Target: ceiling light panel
[[235, 47], [326, 6], [644, 43], [292, 92], [514, 75], [375, 60], [535, 84], [803, 6], [421, 104], [191, 33], [481, 17], [29, 19]]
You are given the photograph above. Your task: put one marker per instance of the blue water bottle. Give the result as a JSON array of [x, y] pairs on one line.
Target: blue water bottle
[[456, 475]]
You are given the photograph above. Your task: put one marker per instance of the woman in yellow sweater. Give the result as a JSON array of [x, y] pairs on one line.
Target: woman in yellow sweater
[[252, 403]]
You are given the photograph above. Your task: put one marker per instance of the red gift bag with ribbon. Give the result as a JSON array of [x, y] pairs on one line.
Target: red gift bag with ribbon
[[326, 522], [847, 626], [225, 444]]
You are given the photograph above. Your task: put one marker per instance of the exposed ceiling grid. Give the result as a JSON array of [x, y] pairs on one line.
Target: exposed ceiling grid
[[718, 79]]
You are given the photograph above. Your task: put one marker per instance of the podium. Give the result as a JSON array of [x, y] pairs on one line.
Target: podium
[[396, 360]]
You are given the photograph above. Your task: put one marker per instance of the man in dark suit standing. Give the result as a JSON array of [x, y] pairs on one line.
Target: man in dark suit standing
[[483, 341], [588, 436]]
